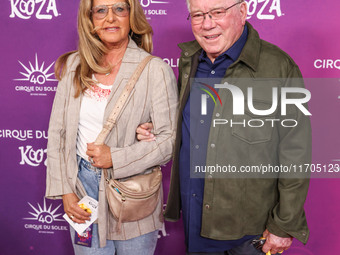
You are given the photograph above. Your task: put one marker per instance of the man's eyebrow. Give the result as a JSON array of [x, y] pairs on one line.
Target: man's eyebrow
[[214, 8], [196, 11]]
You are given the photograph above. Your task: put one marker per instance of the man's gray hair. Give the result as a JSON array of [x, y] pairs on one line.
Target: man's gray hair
[[188, 3]]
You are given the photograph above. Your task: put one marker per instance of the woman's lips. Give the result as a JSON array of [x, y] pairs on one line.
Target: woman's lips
[[111, 29]]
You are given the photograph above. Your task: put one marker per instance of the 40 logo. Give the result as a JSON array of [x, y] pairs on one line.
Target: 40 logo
[[35, 73], [45, 213]]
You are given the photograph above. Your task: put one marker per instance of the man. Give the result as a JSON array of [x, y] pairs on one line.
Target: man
[[225, 215]]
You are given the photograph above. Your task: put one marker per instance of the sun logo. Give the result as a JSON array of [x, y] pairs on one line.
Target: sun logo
[[36, 74], [146, 3], [44, 214], [204, 97]]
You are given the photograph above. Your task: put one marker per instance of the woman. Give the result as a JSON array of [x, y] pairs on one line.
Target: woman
[[114, 37]]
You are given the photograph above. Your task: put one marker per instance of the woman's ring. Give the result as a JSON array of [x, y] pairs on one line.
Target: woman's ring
[[71, 217]]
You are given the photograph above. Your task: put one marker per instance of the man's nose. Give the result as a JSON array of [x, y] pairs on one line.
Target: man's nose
[[208, 22]]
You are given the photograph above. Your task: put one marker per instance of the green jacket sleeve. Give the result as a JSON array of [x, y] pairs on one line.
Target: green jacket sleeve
[[287, 218]]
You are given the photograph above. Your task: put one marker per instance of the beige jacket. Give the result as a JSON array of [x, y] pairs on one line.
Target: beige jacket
[[154, 98]]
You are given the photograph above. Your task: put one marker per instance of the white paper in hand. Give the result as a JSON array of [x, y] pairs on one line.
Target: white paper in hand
[[90, 203]]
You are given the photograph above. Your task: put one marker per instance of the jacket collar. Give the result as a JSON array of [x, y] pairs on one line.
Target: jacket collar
[[132, 56], [249, 54], [132, 53], [190, 48]]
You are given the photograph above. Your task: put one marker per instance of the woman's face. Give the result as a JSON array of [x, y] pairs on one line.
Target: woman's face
[[111, 18]]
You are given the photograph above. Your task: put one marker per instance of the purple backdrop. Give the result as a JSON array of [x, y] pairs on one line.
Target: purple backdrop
[[36, 32]]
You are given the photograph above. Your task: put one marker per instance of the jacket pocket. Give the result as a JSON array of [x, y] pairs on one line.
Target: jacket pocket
[[254, 129]]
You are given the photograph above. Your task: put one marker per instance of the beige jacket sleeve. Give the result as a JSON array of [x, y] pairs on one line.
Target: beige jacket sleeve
[[57, 183]]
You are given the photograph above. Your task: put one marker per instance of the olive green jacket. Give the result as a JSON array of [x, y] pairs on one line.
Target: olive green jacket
[[234, 207]]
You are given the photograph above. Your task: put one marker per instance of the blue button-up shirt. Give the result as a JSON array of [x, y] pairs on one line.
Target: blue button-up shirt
[[195, 134]]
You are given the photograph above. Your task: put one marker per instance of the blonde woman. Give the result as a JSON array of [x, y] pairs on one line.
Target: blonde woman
[[114, 37]]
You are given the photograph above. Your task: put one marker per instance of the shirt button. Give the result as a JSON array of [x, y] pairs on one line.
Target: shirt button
[[212, 145], [197, 146], [194, 195], [217, 115], [212, 72], [186, 75], [186, 53], [207, 206], [202, 121]]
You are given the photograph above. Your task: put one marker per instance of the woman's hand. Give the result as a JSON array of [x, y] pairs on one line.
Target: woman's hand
[[99, 155], [72, 209], [144, 132]]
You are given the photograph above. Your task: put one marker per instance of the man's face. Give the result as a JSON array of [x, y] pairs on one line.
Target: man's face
[[217, 36]]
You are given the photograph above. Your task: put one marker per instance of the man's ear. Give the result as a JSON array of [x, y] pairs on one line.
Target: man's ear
[[243, 11]]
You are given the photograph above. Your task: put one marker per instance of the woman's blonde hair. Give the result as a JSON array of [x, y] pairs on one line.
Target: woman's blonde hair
[[91, 50]]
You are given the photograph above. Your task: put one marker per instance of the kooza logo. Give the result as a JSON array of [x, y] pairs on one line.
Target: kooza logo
[[42, 9], [264, 9], [36, 74], [32, 157]]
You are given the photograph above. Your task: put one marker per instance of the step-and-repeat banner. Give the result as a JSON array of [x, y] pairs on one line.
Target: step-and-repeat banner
[[36, 32]]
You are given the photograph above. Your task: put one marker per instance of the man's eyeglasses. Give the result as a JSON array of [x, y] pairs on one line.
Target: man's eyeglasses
[[120, 9], [214, 14]]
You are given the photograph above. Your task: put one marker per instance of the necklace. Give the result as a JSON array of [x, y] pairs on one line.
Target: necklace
[[114, 66]]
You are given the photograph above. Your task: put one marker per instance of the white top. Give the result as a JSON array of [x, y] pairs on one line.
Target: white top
[[92, 110]]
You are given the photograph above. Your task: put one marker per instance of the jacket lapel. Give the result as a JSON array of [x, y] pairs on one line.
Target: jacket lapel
[[130, 61]]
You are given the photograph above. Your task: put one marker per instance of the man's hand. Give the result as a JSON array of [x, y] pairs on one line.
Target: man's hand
[[275, 244], [99, 155], [72, 209], [144, 132]]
